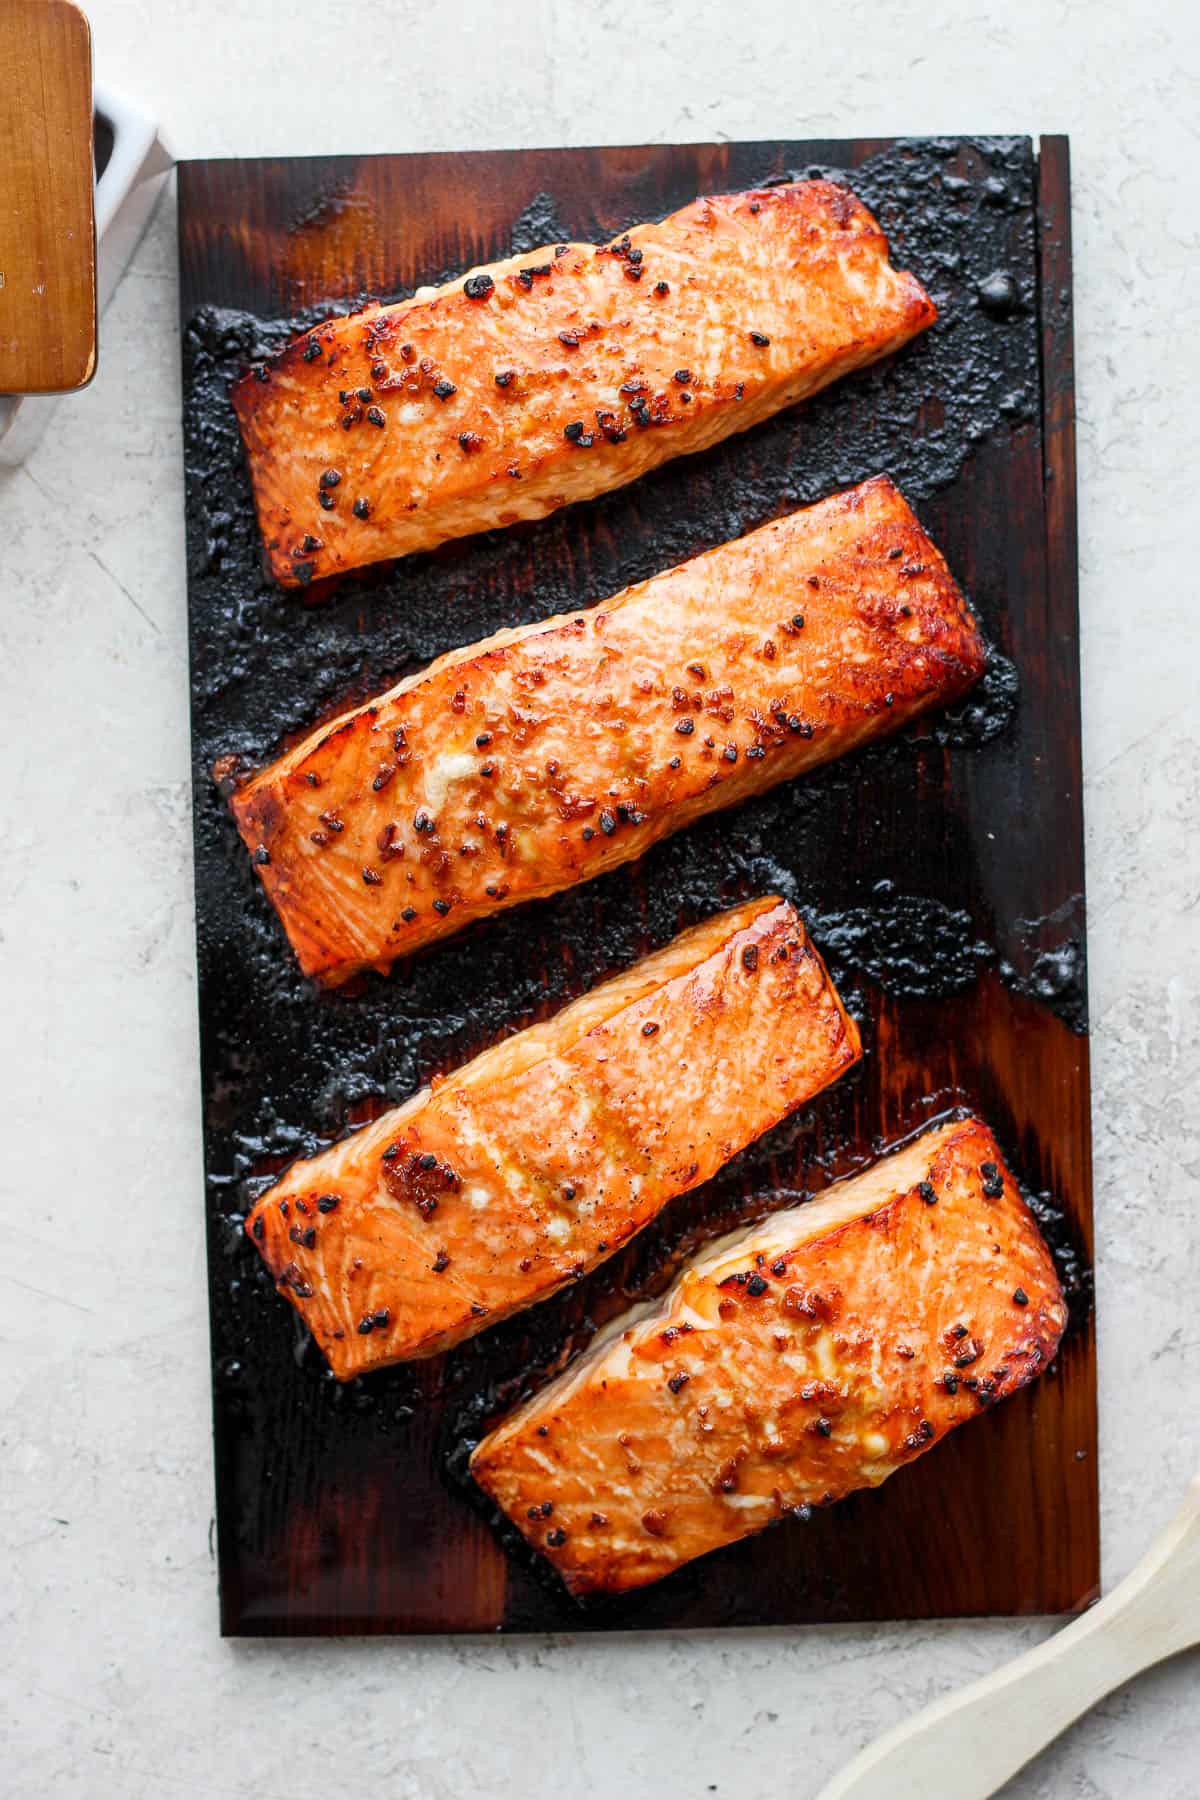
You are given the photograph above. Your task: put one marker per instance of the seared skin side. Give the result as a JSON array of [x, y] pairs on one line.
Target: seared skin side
[[791, 1364], [529, 1166], [516, 767], [559, 374]]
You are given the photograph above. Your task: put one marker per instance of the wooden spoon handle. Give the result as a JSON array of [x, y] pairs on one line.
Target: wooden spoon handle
[[972, 1742]]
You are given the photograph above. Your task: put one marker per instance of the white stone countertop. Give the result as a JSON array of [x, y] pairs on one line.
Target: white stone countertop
[[113, 1680]]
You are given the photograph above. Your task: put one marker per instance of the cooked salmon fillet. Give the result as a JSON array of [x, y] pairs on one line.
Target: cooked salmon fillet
[[814, 1354], [543, 756], [542, 1157], [558, 374]]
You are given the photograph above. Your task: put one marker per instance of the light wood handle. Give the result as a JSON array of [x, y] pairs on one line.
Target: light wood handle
[[972, 1742]]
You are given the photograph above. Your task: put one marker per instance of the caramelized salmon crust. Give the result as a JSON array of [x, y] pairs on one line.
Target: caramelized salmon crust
[[538, 1160], [544, 756], [790, 1364], [559, 374]]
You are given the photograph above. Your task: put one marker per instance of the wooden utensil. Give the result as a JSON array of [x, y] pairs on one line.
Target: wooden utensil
[[972, 1742], [47, 221]]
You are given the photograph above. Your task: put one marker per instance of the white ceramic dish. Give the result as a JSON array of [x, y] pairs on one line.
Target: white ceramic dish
[[129, 181]]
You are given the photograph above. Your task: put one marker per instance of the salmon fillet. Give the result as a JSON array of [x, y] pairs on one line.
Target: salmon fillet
[[561, 373], [529, 1166], [814, 1354], [542, 757]]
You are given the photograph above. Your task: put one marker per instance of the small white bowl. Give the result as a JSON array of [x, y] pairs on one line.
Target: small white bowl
[[131, 165]]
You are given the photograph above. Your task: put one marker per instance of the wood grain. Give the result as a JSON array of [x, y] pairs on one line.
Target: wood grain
[[942, 875], [47, 217], [986, 1732]]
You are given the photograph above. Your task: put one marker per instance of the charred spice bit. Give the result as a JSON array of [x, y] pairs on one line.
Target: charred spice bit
[[926, 1191], [375, 413], [478, 287], [441, 1262], [372, 877], [750, 958], [823, 1428], [779, 1267], [443, 388], [478, 1311], [361, 509], [541, 1511], [469, 442], [607, 823], [409, 914], [1020, 1297], [950, 1382], [327, 1203], [330, 478], [683, 376], [661, 287], [504, 377], [993, 1181], [760, 339], [729, 753], [574, 432], [424, 821], [308, 543], [649, 1028], [685, 727], [756, 1286], [262, 855], [556, 1538], [570, 339], [442, 907], [312, 350], [326, 500], [678, 1381]]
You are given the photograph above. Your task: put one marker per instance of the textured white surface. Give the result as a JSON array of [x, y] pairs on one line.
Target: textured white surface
[[114, 1682]]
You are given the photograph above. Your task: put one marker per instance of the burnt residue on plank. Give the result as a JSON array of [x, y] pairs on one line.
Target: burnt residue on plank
[[941, 873]]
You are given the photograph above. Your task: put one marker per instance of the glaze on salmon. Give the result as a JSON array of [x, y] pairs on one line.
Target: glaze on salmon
[[789, 1365], [542, 757], [523, 1170], [559, 374]]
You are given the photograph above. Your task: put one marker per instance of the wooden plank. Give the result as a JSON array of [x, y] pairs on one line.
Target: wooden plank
[[47, 220], [942, 874]]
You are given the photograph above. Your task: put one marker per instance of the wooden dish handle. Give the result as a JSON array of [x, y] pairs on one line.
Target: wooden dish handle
[[972, 1742]]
